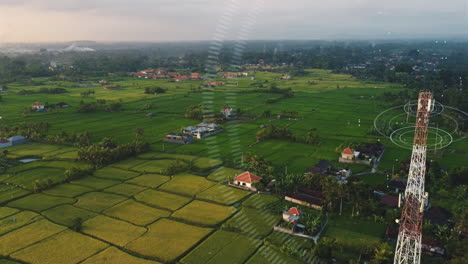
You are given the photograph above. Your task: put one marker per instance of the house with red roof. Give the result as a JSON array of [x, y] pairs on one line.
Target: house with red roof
[[38, 106], [195, 76], [246, 180], [348, 154], [111, 87], [292, 215]]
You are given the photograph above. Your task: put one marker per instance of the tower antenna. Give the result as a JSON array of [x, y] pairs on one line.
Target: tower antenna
[[408, 249]]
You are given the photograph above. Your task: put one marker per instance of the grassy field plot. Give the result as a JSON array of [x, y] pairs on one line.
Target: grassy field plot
[[27, 236], [7, 211], [66, 214], [187, 184], [154, 166], [70, 155], [96, 183], [150, 180], [61, 153], [279, 239], [167, 240], [223, 247], [354, 231], [162, 199], [223, 173], [160, 155], [260, 201], [267, 255], [8, 193], [204, 213], [68, 190], [206, 163], [223, 194], [115, 174], [128, 163], [40, 202], [33, 149], [67, 247], [114, 231], [18, 220], [8, 261], [112, 255], [257, 223], [99, 201], [136, 213], [27, 178], [125, 189]]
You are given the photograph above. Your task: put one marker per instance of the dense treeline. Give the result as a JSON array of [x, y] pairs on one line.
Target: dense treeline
[[274, 132], [194, 112], [108, 151], [154, 90]]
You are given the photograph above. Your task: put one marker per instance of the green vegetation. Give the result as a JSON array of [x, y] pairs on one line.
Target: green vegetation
[[136, 213], [100, 176], [187, 185], [125, 189], [83, 247], [204, 213], [150, 180], [223, 247], [27, 236], [98, 201], [171, 238], [223, 194], [163, 200], [112, 230], [40, 202], [115, 256], [67, 214]]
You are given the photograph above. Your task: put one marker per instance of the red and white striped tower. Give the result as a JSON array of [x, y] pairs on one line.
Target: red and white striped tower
[[408, 249]]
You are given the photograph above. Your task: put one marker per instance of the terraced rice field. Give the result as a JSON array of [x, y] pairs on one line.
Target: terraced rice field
[[131, 213]]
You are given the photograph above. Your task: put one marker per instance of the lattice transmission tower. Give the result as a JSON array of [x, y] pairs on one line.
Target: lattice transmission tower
[[408, 249]]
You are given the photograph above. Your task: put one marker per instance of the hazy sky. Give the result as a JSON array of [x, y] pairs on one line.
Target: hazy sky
[[166, 20]]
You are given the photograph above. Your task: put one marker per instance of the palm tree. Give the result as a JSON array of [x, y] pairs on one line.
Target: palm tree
[[139, 132], [341, 192]]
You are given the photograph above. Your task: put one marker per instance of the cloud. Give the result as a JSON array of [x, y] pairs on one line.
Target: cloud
[[162, 20]]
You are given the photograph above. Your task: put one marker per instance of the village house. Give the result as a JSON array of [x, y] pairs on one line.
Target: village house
[[195, 76], [323, 167], [246, 180], [227, 112], [18, 140], [348, 154], [286, 77], [38, 107], [103, 81], [4, 143], [228, 75], [160, 71], [203, 130], [305, 197], [292, 215], [62, 105], [367, 153], [111, 87], [178, 138]]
